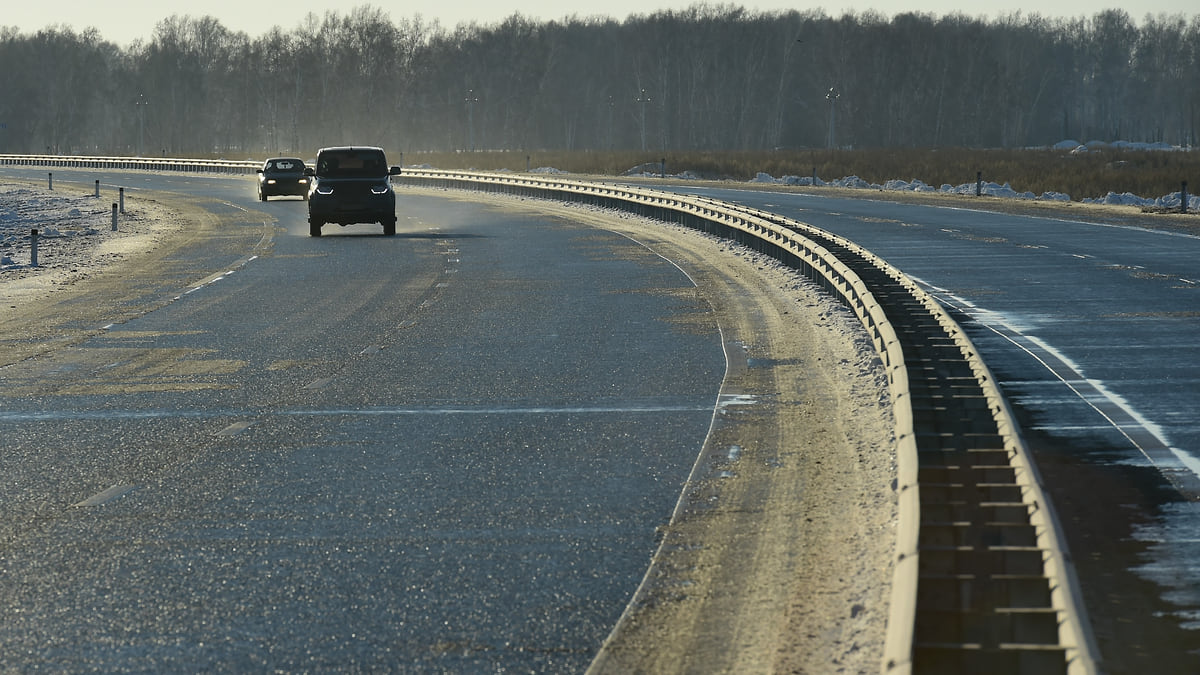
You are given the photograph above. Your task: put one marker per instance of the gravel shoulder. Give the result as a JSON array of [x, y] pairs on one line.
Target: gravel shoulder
[[779, 557]]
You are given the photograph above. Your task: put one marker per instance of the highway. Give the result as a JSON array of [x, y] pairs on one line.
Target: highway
[[445, 450], [1090, 329]]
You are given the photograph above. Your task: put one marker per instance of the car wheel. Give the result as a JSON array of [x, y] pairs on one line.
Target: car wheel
[[262, 196], [314, 228], [389, 227]]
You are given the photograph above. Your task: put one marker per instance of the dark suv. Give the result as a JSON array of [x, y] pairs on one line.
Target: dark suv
[[351, 184]]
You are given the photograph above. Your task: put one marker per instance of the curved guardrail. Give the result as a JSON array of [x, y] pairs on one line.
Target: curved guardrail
[[982, 581], [943, 449]]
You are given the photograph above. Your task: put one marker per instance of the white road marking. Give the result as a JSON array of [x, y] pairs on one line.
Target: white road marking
[[106, 496], [1177, 466], [234, 429], [319, 384]]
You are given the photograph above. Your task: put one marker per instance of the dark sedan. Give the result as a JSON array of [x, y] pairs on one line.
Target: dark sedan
[[281, 176]]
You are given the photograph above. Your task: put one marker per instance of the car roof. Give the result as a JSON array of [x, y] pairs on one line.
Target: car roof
[[349, 148]]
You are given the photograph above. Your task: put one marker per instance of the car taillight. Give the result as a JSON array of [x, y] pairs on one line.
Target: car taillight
[[379, 189], [322, 190]]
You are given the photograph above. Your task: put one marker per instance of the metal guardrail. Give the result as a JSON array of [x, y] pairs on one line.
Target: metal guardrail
[[132, 163], [978, 504], [964, 449]]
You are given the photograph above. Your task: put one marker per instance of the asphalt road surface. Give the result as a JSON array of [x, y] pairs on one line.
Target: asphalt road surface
[[445, 450]]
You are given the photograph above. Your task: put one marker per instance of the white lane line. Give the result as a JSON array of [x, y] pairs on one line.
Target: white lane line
[[234, 429], [565, 410], [319, 384], [726, 400], [1177, 466], [106, 496]]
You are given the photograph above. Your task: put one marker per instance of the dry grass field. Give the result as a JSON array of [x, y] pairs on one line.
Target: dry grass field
[[1093, 174]]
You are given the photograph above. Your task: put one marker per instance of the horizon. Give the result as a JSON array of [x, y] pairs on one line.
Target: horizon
[[138, 19]]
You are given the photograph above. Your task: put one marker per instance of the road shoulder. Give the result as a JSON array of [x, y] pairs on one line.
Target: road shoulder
[[88, 282]]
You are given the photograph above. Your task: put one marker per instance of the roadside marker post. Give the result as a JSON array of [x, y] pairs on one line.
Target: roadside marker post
[[121, 198], [33, 241], [114, 214]]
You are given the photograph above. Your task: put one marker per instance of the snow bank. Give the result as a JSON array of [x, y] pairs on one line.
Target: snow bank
[[1170, 202], [787, 180], [1077, 148], [915, 185], [75, 235]]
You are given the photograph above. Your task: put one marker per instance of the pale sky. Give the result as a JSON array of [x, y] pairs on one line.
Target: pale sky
[[122, 22]]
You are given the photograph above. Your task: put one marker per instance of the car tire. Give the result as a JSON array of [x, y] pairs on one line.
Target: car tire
[[314, 228], [389, 227], [262, 196]]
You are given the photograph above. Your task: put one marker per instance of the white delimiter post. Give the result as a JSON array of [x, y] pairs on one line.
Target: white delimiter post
[[114, 212]]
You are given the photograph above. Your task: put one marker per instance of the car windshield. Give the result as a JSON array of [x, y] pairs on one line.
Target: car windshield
[[285, 165], [352, 164]]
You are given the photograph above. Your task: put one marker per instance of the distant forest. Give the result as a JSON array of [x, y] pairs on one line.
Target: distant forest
[[708, 78]]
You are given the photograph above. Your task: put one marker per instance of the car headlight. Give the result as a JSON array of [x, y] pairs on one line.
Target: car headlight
[[379, 189]]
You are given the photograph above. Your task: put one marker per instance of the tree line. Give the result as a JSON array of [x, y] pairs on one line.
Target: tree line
[[710, 77]]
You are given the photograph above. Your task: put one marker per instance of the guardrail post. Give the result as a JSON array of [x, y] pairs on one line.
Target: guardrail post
[[121, 198], [97, 188], [978, 183], [114, 214], [1183, 198], [33, 239]]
